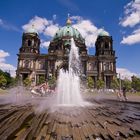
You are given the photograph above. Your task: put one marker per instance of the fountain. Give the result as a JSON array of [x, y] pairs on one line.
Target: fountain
[[68, 89]]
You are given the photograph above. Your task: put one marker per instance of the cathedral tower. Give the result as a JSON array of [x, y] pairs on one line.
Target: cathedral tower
[[28, 53], [106, 60]]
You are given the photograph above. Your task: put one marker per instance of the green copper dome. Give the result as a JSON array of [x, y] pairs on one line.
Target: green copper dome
[[103, 33], [31, 30], [68, 31]]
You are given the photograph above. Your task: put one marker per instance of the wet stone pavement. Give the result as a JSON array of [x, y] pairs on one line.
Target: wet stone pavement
[[104, 120]]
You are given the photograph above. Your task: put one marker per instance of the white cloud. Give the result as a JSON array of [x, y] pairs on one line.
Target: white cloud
[[133, 38], [54, 17], [38, 22], [51, 30], [131, 14], [132, 19], [44, 27], [125, 73], [9, 68], [3, 65], [7, 26], [3, 54], [45, 44], [88, 30], [1, 22], [76, 18]]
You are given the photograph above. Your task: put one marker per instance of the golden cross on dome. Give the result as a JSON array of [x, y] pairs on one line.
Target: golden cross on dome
[[68, 20]]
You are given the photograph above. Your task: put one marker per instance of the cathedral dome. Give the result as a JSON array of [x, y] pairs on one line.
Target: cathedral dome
[[31, 30], [103, 33], [68, 31]]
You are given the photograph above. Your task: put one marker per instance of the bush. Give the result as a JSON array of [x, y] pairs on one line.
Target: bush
[[115, 83], [52, 82], [41, 79], [100, 84], [3, 81], [136, 83], [27, 82], [90, 82], [127, 84]]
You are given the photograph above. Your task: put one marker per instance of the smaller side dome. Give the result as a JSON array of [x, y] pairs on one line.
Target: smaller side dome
[[103, 33], [31, 30]]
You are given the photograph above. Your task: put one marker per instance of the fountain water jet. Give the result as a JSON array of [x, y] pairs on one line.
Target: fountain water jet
[[68, 89]]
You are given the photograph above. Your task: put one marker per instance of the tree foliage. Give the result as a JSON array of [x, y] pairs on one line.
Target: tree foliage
[[27, 82], [52, 82], [115, 83], [127, 84], [100, 84], [136, 83], [5, 79], [41, 79], [90, 82]]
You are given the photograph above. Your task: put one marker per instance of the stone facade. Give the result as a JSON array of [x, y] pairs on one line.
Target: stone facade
[[33, 64]]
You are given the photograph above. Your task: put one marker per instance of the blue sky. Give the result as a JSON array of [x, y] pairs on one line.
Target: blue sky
[[120, 18]]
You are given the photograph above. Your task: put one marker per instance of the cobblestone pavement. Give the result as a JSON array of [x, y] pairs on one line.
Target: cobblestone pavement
[[104, 120]]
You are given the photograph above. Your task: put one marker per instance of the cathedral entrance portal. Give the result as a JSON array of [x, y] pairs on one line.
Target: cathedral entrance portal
[[24, 76]]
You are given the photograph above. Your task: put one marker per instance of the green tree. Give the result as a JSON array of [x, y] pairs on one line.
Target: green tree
[[3, 81], [115, 83], [136, 83], [7, 76], [15, 81], [27, 82], [41, 79], [90, 82], [127, 84], [52, 82], [100, 84]]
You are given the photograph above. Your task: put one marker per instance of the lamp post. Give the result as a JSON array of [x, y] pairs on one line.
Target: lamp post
[[105, 68], [120, 84]]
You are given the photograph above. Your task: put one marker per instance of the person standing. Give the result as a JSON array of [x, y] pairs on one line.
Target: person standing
[[119, 95], [124, 93]]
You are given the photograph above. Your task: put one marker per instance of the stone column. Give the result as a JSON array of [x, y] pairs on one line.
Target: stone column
[[100, 69], [105, 81]]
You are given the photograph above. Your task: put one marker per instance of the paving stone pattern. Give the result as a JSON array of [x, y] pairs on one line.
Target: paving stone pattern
[[107, 120]]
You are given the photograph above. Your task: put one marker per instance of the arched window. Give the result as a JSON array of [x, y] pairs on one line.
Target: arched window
[[41, 65], [106, 66], [26, 64], [102, 45], [109, 45], [29, 43], [106, 45]]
